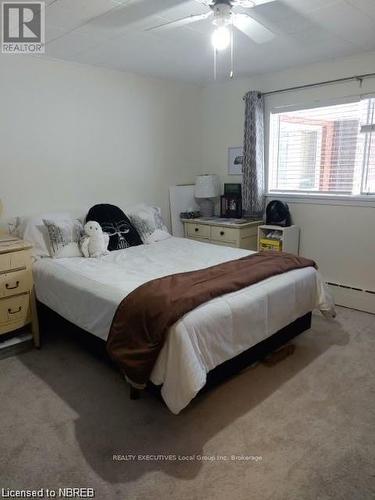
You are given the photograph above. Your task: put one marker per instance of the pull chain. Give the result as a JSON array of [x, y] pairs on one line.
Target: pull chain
[[231, 74], [215, 64]]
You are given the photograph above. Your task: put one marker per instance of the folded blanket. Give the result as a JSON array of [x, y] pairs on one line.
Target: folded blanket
[[142, 320]]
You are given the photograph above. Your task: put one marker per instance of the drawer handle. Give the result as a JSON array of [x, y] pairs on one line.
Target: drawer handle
[[222, 233], [15, 312], [196, 229], [8, 287]]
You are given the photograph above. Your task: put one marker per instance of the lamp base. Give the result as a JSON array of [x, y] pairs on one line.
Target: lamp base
[[206, 207]]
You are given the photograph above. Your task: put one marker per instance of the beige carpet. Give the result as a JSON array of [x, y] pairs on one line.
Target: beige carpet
[[311, 418]]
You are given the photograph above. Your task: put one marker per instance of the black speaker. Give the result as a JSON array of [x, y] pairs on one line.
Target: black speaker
[[277, 213]]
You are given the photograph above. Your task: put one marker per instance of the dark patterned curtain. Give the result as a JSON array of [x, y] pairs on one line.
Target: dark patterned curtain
[[253, 162]]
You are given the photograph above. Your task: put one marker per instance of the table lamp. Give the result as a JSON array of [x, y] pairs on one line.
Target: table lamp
[[207, 188]]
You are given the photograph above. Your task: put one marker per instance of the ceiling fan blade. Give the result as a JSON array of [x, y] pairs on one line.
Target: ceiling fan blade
[[249, 4], [178, 23], [206, 2], [130, 12], [252, 28], [245, 4]]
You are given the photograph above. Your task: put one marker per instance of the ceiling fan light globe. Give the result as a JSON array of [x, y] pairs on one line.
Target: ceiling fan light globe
[[221, 38]]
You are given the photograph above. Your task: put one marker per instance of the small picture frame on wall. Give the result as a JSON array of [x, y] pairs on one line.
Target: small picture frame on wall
[[235, 160]]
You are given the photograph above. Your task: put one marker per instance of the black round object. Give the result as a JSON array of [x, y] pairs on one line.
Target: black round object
[[122, 233], [277, 213]]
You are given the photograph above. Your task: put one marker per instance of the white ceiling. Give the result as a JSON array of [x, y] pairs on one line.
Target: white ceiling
[[111, 33]]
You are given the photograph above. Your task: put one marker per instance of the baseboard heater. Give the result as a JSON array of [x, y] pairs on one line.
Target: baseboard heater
[[353, 296]]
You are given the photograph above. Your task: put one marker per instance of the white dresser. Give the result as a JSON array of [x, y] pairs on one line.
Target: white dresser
[[243, 235]]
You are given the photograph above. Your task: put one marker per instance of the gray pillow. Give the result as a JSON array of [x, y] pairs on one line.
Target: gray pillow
[[148, 222], [64, 237]]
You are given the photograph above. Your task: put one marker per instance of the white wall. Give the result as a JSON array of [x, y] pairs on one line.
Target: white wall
[[73, 135], [340, 237]]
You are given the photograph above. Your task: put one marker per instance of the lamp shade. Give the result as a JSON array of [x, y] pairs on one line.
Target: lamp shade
[[207, 186]]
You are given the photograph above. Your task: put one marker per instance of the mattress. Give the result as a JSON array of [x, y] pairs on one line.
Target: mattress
[[87, 292]]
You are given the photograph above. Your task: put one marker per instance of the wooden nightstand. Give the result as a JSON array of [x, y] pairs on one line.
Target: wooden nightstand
[[17, 298], [221, 232]]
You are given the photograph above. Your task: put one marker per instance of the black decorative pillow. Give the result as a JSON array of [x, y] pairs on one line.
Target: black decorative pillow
[[122, 234]]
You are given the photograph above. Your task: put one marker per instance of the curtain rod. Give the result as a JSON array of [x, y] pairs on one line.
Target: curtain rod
[[359, 78]]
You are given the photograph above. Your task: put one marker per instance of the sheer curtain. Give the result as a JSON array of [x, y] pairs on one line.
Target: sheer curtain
[[253, 188]]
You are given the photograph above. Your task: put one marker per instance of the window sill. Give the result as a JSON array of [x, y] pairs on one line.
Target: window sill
[[324, 199]]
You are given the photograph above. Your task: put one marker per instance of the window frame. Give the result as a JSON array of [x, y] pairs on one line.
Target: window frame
[[300, 195]]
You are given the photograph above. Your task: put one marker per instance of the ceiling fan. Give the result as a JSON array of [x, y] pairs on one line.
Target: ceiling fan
[[225, 15]]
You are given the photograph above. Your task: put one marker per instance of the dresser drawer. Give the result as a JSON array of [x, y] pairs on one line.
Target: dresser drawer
[[5, 262], [15, 309], [201, 231], [15, 283], [224, 234], [15, 260]]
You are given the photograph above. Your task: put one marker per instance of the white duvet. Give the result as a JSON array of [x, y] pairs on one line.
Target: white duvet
[[87, 292]]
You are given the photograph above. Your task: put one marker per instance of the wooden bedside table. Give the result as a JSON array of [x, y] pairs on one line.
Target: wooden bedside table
[[219, 232], [17, 298]]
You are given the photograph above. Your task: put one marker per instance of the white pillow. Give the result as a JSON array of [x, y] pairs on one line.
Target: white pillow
[[33, 230], [157, 235], [148, 222], [64, 237]]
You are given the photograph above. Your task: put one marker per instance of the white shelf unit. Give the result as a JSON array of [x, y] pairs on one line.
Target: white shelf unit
[[289, 236]]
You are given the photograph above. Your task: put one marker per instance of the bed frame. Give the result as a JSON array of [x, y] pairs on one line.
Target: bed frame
[[49, 319]]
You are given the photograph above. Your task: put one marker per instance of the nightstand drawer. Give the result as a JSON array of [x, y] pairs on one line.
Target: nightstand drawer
[[224, 234], [15, 283], [198, 231], [15, 309]]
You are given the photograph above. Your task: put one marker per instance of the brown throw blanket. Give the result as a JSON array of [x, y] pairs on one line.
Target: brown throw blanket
[[141, 322]]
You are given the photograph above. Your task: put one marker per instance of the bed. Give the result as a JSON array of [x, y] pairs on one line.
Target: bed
[[87, 292]]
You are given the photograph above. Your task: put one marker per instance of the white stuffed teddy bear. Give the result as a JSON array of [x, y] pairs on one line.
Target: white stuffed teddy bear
[[94, 242]]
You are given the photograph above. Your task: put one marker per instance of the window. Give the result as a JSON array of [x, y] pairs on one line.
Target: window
[[327, 150]]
